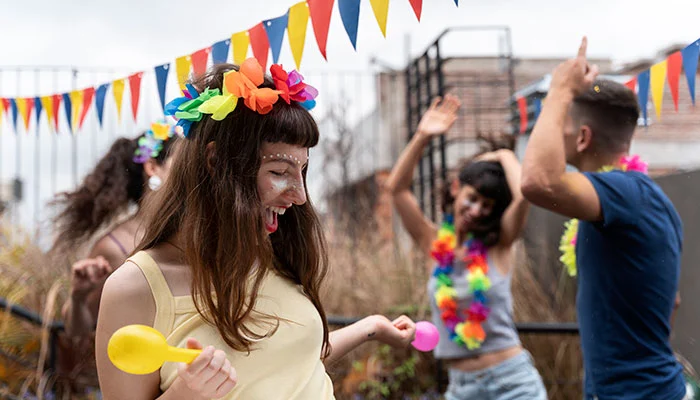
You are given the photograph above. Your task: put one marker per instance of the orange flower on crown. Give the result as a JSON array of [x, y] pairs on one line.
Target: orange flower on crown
[[245, 82]]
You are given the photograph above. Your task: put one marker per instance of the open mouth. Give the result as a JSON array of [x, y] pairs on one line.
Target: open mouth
[[271, 218]]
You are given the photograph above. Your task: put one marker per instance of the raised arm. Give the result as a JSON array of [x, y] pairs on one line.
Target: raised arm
[[545, 181], [515, 216], [397, 333], [435, 122]]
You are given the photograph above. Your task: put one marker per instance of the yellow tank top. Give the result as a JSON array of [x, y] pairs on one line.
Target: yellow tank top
[[284, 366]]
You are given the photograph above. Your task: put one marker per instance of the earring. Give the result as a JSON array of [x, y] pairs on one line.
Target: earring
[[154, 182]]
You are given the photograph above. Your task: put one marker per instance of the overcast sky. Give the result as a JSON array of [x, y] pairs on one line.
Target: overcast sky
[[134, 35]]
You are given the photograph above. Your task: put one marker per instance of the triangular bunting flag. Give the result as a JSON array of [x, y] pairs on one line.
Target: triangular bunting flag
[[23, 111], [632, 84], [538, 107], [67, 109], [643, 94], [320, 11], [675, 64], [161, 81], [76, 99], [5, 105], [56, 106], [658, 83], [690, 65], [135, 87], [2, 112], [457, 3], [100, 95], [219, 51], [47, 103], [275, 34], [296, 29], [182, 69], [29, 102], [13, 106], [350, 15], [118, 92], [88, 95], [38, 108], [199, 61], [417, 6], [259, 43], [381, 12], [240, 42]]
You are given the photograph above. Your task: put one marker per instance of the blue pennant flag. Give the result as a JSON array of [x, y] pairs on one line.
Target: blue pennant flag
[[13, 105], [100, 94], [643, 93], [350, 14], [690, 65], [68, 108], [162, 80], [275, 28], [38, 107], [219, 51]]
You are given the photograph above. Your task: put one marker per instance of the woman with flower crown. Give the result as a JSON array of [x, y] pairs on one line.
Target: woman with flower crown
[[233, 256], [473, 249]]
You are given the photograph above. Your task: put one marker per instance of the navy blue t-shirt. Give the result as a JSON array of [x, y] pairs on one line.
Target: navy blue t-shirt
[[628, 273]]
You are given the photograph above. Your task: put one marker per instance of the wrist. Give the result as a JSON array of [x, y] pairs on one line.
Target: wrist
[[182, 391], [421, 137], [78, 297], [370, 328], [561, 94]]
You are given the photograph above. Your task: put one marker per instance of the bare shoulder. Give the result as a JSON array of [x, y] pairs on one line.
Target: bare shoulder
[[107, 248], [127, 286]]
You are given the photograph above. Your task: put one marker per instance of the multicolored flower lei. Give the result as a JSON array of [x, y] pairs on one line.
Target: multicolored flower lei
[[463, 331], [567, 244], [151, 144], [241, 84]]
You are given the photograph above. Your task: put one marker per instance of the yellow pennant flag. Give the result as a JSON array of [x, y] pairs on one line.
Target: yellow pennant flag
[[296, 29], [76, 99], [658, 83], [182, 69], [240, 42], [47, 104], [118, 91], [22, 109], [381, 11]]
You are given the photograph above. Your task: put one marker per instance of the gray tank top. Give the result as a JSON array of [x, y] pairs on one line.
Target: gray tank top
[[499, 327]]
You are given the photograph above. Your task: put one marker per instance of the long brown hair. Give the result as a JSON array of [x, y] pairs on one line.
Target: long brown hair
[[215, 207], [109, 189]]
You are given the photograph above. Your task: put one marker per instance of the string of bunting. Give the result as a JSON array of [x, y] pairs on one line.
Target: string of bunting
[[648, 83], [262, 39]]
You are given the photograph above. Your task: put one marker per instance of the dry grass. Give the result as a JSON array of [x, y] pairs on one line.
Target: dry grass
[[369, 277]]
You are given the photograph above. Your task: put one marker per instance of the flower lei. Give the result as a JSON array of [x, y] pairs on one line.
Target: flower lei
[[241, 84], [151, 144], [469, 332], [567, 243]]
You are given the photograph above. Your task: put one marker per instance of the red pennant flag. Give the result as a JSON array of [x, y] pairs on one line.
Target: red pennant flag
[[27, 104], [321, 11], [199, 61], [88, 95], [522, 107], [675, 65], [259, 43], [632, 84], [5, 105], [57, 98], [417, 7], [135, 86]]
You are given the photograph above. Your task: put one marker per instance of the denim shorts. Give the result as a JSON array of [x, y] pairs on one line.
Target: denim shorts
[[513, 379]]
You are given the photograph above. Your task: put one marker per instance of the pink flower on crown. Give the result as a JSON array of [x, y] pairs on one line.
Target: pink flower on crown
[[634, 163], [292, 85]]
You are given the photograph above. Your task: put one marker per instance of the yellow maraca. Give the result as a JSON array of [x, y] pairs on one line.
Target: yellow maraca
[[141, 350]]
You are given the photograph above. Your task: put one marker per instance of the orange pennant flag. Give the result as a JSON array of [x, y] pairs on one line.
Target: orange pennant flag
[[675, 65], [47, 104], [381, 12], [632, 84], [135, 87], [199, 61], [118, 92], [296, 29], [240, 42], [88, 95], [658, 82], [182, 69]]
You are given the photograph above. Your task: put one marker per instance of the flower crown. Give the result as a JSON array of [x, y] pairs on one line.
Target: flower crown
[[151, 144], [241, 84]]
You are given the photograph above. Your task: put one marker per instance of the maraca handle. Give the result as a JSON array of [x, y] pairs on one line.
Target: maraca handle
[[176, 354]]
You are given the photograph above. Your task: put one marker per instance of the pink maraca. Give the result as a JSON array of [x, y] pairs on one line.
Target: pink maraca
[[427, 336]]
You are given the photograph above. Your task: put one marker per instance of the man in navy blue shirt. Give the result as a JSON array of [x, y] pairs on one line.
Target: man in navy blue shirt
[[629, 237]]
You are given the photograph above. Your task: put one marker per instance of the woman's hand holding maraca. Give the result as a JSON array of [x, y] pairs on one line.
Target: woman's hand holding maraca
[[210, 375]]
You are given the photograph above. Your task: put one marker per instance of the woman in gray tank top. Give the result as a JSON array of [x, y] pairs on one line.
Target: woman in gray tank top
[[470, 288]]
